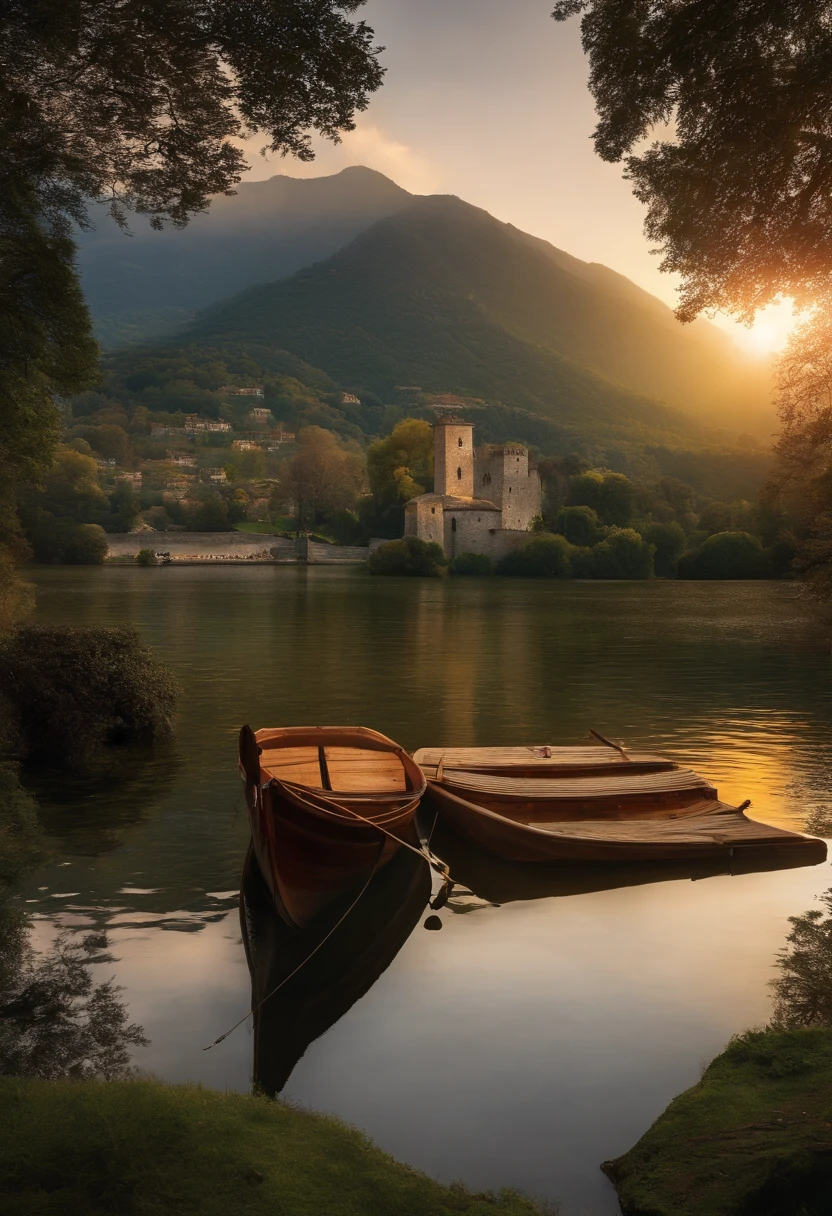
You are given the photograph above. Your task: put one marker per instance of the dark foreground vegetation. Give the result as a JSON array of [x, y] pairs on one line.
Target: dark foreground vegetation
[[65, 693], [754, 1137], [140, 1148]]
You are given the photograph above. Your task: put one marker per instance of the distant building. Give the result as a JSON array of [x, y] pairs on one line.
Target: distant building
[[407, 388], [483, 501], [350, 399], [132, 479], [194, 423], [157, 432], [245, 445], [188, 462], [215, 474], [260, 415], [231, 391]]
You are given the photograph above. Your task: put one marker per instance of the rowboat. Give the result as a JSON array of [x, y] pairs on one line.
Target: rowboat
[[328, 807], [590, 804], [304, 980]]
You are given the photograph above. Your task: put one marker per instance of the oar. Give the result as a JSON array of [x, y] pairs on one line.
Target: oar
[[609, 743]]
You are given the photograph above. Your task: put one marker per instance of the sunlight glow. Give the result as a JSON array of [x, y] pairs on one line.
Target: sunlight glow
[[770, 332]]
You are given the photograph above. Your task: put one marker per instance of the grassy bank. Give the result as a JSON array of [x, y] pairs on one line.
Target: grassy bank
[[753, 1138], [140, 1148]]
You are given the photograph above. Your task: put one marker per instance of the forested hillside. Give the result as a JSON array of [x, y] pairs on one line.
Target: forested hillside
[[145, 282]]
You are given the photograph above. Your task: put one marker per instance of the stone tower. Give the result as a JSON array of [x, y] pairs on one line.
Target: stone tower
[[453, 450]]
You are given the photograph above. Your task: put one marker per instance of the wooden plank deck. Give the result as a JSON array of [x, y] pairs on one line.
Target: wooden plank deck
[[617, 784]]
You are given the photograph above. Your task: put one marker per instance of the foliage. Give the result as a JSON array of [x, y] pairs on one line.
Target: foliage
[[803, 991], [471, 563], [400, 467], [65, 543], [622, 554], [323, 477], [543, 556], [409, 556], [725, 555], [140, 1148], [668, 541], [56, 1023], [67, 692], [22, 845], [146, 557], [738, 191], [750, 1139], [610, 495], [17, 596], [580, 525]]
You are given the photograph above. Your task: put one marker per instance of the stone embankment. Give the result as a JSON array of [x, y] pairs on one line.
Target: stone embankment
[[211, 548]]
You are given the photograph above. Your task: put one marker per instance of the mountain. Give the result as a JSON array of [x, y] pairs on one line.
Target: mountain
[[443, 295], [151, 282]]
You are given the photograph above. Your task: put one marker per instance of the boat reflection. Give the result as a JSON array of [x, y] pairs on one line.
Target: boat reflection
[[502, 882], [314, 994]]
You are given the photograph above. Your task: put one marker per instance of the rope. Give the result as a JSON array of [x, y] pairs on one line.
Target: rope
[[302, 963]]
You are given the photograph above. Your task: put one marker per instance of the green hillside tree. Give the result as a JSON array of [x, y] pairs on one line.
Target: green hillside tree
[[137, 105]]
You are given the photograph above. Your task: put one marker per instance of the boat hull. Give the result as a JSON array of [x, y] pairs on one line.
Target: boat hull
[[515, 840]]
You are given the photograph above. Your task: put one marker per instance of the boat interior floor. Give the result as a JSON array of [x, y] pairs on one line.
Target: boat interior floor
[[342, 770]]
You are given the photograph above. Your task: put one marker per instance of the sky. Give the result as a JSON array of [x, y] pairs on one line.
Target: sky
[[488, 100]]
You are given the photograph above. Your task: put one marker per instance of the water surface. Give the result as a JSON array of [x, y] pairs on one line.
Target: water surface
[[525, 1043]]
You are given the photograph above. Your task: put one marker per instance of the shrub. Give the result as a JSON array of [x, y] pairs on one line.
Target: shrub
[[725, 555], [669, 541], [409, 556], [543, 556], [472, 563], [580, 525], [146, 557], [611, 495], [67, 692], [624, 554], [22, 843], [64, 542]]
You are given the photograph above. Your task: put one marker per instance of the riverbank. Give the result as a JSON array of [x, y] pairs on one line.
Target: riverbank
[[204, 548], [143, 1148], [753, 1138]]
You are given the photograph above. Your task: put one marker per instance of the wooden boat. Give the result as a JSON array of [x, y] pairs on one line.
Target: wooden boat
[[328, 806], [303, 981], [605, 809]]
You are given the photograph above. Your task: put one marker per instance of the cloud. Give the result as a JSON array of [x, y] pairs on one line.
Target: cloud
[[367, 145]]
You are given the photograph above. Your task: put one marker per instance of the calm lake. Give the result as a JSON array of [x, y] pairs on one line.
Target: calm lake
[[525, 1043]]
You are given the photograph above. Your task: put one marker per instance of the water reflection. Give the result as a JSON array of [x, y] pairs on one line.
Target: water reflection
[[500, 882], [524, 1043], [303, 981]]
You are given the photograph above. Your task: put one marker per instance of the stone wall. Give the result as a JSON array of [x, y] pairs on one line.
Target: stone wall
[[232, 547]]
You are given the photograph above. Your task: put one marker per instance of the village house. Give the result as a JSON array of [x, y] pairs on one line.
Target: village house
[[194, 423], [483, 501], [245, 445], [215, 474], [260, 415], [349, 399], [231, 391]]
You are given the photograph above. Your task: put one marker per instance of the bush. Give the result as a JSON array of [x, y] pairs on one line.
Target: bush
[[146, 557], [624, 554], [611, 495], [541, 557], [725, 555], [669, 541], [64, 542], [580, 525], [472, 563], [67, 692], [409, 556], [22, 843]]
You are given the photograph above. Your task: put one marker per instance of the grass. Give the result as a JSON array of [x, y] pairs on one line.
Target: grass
[[753, 1138], [285, 524], [140, 1148]]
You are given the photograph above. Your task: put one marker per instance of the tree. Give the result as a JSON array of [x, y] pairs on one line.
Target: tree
[[610, 495], [725, 555], [324, 476], [739, 190], [668, 540], [410, 556], [541, 557], [622, 554], [136, 105], [803, 991], [580, 525], [400, 467]]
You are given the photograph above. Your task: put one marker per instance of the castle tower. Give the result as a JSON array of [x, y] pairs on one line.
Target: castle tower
[[453, 450]]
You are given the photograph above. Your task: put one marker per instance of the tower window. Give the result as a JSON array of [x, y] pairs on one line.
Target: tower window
[[433, 510], [459, 474], [459, 441], [509, 489], [486, 479], [453, 524]]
